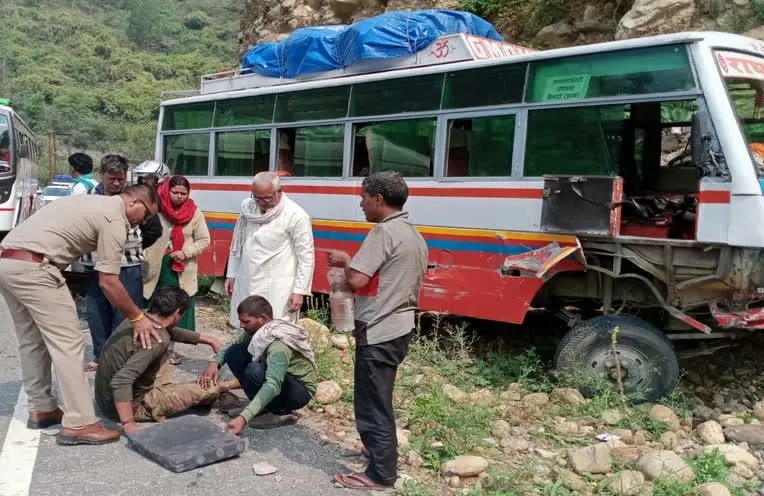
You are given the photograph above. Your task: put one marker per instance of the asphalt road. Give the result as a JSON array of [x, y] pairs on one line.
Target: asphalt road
[[33, 464]]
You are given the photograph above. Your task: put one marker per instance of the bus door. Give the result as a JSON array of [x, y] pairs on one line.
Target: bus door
[[582, 205]]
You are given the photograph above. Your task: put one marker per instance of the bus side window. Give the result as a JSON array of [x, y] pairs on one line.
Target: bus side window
[[406, 146], [480, 147], [314, 151]]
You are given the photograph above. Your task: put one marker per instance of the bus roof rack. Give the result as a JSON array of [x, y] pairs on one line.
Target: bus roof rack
[[459, 47]]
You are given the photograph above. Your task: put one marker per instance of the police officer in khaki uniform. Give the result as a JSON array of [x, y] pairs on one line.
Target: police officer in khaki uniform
[[47, 327]]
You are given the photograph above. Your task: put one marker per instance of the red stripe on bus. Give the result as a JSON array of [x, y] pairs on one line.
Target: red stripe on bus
[[527, 193], [715, 196], [6, 209]]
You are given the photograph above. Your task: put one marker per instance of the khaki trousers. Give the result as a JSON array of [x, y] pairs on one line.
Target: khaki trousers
[[47, 330], [167, 399]]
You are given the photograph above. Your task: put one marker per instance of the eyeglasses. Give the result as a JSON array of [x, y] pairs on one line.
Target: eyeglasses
[[265, 199], [148, 213]]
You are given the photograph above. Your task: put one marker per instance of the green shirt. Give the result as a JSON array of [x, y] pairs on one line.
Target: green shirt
[[280, 361], [126, 372]]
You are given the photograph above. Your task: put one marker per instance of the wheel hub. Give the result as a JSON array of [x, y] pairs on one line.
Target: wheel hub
[[635, 368]]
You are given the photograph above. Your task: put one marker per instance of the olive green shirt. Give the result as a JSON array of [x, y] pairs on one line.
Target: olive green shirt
[[280, 361], [126, 372]]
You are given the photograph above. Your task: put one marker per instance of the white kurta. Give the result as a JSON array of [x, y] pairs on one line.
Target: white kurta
[[277, 260]]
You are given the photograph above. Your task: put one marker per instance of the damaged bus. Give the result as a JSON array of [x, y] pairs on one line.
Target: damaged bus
[[617, 184]]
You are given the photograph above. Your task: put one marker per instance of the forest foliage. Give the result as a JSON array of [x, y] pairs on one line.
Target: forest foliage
[[94, 69]]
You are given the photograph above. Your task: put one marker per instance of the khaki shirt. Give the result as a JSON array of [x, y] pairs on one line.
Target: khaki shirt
[[71, 226], [395, 252]]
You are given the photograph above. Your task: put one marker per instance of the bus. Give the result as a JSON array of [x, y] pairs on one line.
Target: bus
[[18, 169], [618, 185]]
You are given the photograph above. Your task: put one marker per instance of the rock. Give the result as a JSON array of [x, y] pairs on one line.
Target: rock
[[344, 8], [669, 440], [402, 481], [302, 11], [482, 397], [536, 399], [414, 459], [711, 432], [511, 396], [403, 437], [572, 481], [340, 341], [556, 35], [713, 489], [318, 334], [500, 429], [750, 433], [288, 4], [263, 468], [628, 454], [626, 435], [568, 396], [328, 392], [640, 438], [515, 444], [464, 466], [730, 420], [455, 394], [734, 455], [627, 483], [665, 414], [566, 428], [612, 417], [665, 464], [649, 17], [758, 407], [593, 459]]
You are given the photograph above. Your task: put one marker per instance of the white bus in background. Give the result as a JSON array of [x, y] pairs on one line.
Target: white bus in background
[[618, 185], [18, 169]]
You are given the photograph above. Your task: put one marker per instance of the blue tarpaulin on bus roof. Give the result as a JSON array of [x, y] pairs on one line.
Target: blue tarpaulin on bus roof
[[327, 48]]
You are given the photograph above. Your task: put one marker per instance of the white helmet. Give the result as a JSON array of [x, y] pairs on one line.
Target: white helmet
[[152, 167]]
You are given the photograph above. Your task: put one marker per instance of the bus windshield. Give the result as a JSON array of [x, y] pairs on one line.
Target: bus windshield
[[5, 145], [744, 78]]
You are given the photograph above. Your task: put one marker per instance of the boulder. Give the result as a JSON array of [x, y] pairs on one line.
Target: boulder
[[568, 396], [328, 392], [536, 399], [747, 433], [711, 432], [665, 464], [713, 489], [665, 414], [593, 459], [649, 17], [734, 455], [455, 394], [464, 466], [626, 483]]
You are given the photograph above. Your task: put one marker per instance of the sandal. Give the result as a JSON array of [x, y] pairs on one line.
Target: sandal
[[91, 367], [270, 420], [359, 480]]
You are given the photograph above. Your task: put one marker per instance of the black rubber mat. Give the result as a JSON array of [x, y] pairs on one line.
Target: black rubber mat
[[186, 443]]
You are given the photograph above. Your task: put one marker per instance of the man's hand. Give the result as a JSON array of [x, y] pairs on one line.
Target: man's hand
[[177, 256], [209, 377], [338, 258], [143, 330], [236, 425], [295, 302], [228, 286]]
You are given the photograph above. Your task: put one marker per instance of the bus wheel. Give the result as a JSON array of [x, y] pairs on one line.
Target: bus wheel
[[648, 364]]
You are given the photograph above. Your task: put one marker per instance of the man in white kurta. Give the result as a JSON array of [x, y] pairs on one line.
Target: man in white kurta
[[271, 252]]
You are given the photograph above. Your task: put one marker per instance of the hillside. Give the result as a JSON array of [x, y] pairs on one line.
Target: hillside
[[94, 69]]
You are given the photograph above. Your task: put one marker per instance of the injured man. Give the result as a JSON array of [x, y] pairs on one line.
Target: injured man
[[273, 361], [133, 384]]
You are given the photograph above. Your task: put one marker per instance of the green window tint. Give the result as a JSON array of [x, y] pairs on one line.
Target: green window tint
[[480, 146], [574, 141], [242, 153], [250, 111], [678, 112], [189, 116], [406, 146], [187, 154], [311, 151], [495, 85], [394, 96], [631, 72], [313, 105]]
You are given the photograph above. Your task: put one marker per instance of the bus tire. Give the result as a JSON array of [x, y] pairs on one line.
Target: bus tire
[[649, 365]]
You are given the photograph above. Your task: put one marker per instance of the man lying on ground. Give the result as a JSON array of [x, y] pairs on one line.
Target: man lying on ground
[[274, 363], [129, 386]]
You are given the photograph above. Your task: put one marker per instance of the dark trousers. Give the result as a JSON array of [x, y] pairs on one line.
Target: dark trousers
[[103, 317], [375, 368], [251, 375]]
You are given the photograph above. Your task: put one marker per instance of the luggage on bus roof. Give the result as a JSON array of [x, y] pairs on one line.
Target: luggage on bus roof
[[393, 34]]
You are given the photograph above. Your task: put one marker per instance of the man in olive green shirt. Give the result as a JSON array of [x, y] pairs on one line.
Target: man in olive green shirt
[[129, 386], [274, 363]]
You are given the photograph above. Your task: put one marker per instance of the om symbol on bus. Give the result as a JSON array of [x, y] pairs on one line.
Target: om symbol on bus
[[442, 49]]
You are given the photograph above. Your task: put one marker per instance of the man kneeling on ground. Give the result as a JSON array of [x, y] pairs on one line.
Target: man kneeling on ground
[[129, 386], [274, 363]]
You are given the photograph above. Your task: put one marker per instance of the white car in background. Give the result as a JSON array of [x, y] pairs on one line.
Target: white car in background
[[53, 192]]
